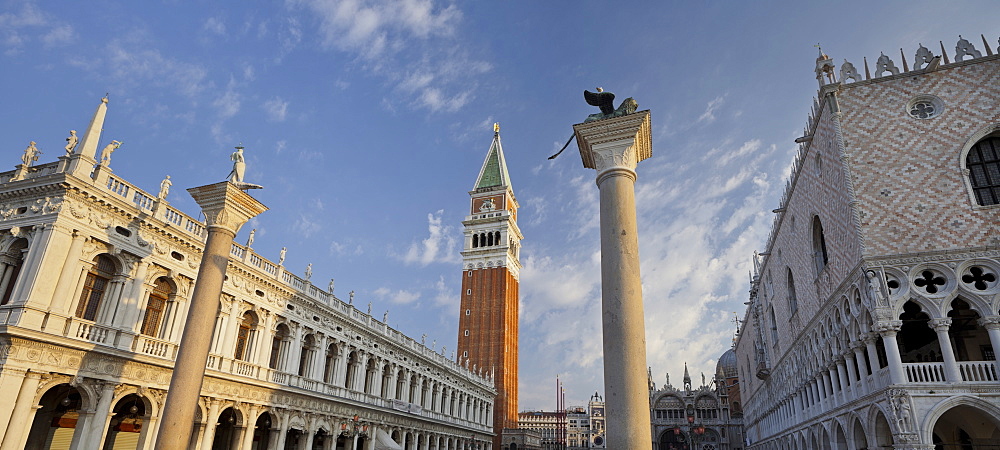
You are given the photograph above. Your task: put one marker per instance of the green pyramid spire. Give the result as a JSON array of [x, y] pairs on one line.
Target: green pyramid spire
[[494, 172]]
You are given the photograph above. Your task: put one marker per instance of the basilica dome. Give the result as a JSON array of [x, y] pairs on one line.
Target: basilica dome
[[727, 364]]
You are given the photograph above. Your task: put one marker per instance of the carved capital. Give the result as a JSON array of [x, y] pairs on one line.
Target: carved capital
[[226, 206], [990, 322], [888, 327], [618, 143], [940, 325]]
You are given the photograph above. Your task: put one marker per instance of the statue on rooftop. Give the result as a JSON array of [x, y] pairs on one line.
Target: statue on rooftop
[[250, 238], [239, 165], [385, 317], [309, 271], [107, 151], [330, 286], [71, 142], [350, 298], [30, 154], [164, 188], [281, 256]]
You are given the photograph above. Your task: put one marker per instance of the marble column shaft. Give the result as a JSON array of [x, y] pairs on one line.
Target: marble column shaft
[[226, 209], [614, 147]]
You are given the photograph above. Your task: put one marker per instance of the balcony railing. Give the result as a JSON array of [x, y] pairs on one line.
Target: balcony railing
[[927, 372]]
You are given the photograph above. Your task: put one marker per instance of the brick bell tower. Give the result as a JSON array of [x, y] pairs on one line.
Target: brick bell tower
[[487, 324]]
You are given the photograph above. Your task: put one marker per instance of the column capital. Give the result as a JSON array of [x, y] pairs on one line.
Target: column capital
[[888, 327], [940, 325], [617, 143], [226, 206], [990, 322]]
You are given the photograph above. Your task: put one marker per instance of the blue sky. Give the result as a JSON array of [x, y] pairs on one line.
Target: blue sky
[[367, 121]]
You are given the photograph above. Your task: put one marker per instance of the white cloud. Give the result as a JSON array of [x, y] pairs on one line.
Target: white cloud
[[305, 226], [59, 35], [411, 43], [214, 26], [276, 109], [436, 248], [709, 115], [397, 297]]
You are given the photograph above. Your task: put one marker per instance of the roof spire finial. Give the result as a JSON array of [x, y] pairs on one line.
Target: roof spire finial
[[496, 127]]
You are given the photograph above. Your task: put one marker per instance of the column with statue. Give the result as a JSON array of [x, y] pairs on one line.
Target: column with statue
[[613, 142], [227, 207]]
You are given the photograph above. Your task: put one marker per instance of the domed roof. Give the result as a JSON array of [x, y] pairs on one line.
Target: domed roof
[[727, 364]]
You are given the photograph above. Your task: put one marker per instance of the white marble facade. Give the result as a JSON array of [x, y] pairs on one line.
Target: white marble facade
[[95, 277], [874, 308]]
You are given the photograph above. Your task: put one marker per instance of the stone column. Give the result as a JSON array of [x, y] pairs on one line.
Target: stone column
[[212, 422], [888, 332], [859, 358], [851, 368], [226, 209], [992, 325], [614, 147], [17, 430], [842, 378], [872, 352], [941, 326], [250, 426]]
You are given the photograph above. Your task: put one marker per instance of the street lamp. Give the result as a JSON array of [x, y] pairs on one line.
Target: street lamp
[[694, 432], [354, 427]]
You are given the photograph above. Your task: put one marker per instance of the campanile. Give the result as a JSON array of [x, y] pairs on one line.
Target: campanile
[[487, 324]]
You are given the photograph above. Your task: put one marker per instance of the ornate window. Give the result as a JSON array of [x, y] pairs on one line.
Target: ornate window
[[793, 303], [155, 306], [11, 263], [305, 358], [245, 336], [277, 346], [924, 107], [983, 163], [329, 364], [774, 325], [820, 257], [98, 279]]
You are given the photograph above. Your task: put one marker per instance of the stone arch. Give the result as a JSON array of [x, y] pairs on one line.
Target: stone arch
[[963, 157], [57, 415], [966, 403]]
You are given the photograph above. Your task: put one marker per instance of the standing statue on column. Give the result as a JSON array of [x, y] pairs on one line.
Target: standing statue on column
[[239, 165], [71, 142], [107, 151], [250, 238], [281, 256], [164, 188], [30, 154]]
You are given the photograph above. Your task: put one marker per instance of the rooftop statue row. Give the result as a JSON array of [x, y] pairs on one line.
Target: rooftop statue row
[[924, 59]]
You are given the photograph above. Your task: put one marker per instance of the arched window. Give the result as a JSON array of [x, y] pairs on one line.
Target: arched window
[[475, 241], [820, 257], [245, 336], [98, 279], [11, 263], [305, 358], [329, 365], [277, 344], [793, 302], [496, 237], [774, 325], [983, 163], [155, 306]]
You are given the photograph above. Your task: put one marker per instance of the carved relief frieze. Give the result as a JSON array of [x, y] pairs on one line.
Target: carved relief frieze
[[47, 205]]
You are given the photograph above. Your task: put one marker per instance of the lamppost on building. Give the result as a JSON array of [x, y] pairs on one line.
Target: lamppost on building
[[694, 432], [353, 428]]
